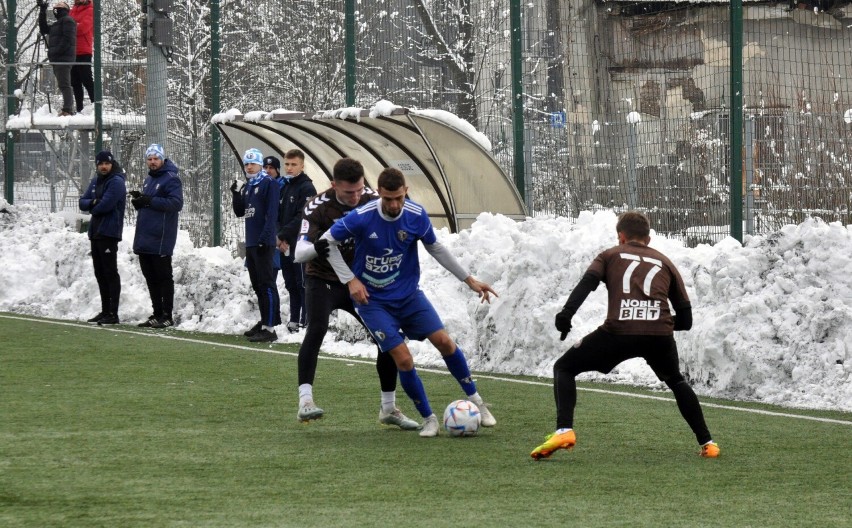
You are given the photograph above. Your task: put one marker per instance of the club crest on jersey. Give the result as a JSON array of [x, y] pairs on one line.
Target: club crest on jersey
[[401, 235]]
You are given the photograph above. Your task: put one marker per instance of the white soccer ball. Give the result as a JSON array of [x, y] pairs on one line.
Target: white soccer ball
[[462, 418]]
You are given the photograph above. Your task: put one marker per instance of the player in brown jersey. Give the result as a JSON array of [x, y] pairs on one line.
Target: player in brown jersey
[[640, 282], [324, 293]]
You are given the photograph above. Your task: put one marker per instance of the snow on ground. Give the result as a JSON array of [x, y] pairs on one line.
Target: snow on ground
[[773, 317]]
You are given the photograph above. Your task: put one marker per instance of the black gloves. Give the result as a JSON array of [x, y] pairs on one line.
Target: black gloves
[[563, 322], [42, 4], [236, 187], [141, 202], [134, 194], [321, 247]]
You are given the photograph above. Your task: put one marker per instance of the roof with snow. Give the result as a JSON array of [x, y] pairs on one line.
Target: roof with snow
[[447, 164]]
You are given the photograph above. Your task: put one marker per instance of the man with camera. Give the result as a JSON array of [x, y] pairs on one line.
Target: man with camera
[[158, 204], [61, 48]]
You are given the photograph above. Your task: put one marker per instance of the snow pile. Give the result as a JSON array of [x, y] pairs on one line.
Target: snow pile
[[773, 318]]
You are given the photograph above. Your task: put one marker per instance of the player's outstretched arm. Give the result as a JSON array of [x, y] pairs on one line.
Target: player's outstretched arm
[[482, 288]]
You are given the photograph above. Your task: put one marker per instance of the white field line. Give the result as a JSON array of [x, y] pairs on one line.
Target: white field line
[[432, 370]]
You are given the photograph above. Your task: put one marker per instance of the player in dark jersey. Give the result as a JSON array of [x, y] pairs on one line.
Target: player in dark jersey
[[384, 279], [324, 293], [640, 282]]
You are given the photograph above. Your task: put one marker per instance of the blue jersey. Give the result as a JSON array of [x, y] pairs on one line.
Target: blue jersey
[[386, 258]]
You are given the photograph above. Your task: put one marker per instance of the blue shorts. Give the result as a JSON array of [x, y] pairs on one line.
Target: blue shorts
[[415, 316]]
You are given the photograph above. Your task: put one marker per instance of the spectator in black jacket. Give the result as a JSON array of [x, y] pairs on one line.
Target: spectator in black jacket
[[296, 192], [61, 49], [105, 198]]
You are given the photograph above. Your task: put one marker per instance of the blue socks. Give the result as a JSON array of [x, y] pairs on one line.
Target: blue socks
[[457, 365], [413, 387]]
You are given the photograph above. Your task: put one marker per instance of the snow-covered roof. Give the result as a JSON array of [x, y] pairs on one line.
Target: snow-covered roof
[[447, 163]]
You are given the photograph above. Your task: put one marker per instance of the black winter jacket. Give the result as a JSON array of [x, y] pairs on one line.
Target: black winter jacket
[[61, 37], [294, 195]]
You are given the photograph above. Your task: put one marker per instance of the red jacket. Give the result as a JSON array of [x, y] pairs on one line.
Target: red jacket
[[83, 14]]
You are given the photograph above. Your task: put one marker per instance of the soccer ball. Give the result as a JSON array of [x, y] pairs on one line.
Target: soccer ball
[[462, 418]]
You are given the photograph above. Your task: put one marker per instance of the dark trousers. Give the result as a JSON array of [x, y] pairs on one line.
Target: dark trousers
[[294, 282], [602, 351], [63, 81], [262, 276], [105, 262], [81, 77], [157, 270], [321, 298]]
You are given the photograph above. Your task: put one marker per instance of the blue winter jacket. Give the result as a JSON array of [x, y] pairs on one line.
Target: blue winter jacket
[[157, 224], [106, 198], [258, 202]]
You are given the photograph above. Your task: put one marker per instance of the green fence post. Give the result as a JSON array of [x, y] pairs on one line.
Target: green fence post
[[517, 97], [11, 79], [99, 117], [349, 56], [736, 119], [216, 162]]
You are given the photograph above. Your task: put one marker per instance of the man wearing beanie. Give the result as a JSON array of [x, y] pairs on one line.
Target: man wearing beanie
[[257, 201], [105, 200], [158, 205], [298, 189], [61, 49]]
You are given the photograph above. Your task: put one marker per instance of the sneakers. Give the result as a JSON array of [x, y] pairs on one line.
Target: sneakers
[[710, 450], [95, 319], [488, 419], [309, 411], [162, 322], [398, 419], [552, 442], [148, 323], [264, 336], [108, 319], [292, 327], [430, 427], [253, 330]]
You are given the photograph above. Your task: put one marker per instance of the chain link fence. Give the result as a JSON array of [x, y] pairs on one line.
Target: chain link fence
[[625, 104]]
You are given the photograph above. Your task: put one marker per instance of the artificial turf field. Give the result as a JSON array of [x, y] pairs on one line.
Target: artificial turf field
[[119, 427]]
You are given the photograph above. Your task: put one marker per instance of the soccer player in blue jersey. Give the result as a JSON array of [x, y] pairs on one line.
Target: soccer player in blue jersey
[[384, 284]]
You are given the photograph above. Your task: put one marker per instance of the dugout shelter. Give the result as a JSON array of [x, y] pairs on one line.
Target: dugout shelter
[[447, 170]]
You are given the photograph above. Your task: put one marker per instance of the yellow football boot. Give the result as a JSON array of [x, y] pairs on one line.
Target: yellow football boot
[[553, 442]]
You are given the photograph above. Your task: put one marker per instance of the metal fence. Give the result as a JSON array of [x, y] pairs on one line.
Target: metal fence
[[625, 104]]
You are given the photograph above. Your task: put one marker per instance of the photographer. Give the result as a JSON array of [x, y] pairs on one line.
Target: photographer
[[61, 49]]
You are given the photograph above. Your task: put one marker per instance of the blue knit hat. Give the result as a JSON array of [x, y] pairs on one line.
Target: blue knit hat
[[155, 150], [104, 156], [253, 155]]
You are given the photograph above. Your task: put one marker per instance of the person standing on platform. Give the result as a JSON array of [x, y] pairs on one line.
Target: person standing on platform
[[61, 49], [81, 73]]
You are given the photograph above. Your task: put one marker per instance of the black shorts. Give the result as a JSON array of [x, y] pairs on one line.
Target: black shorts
[[602, 351]]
